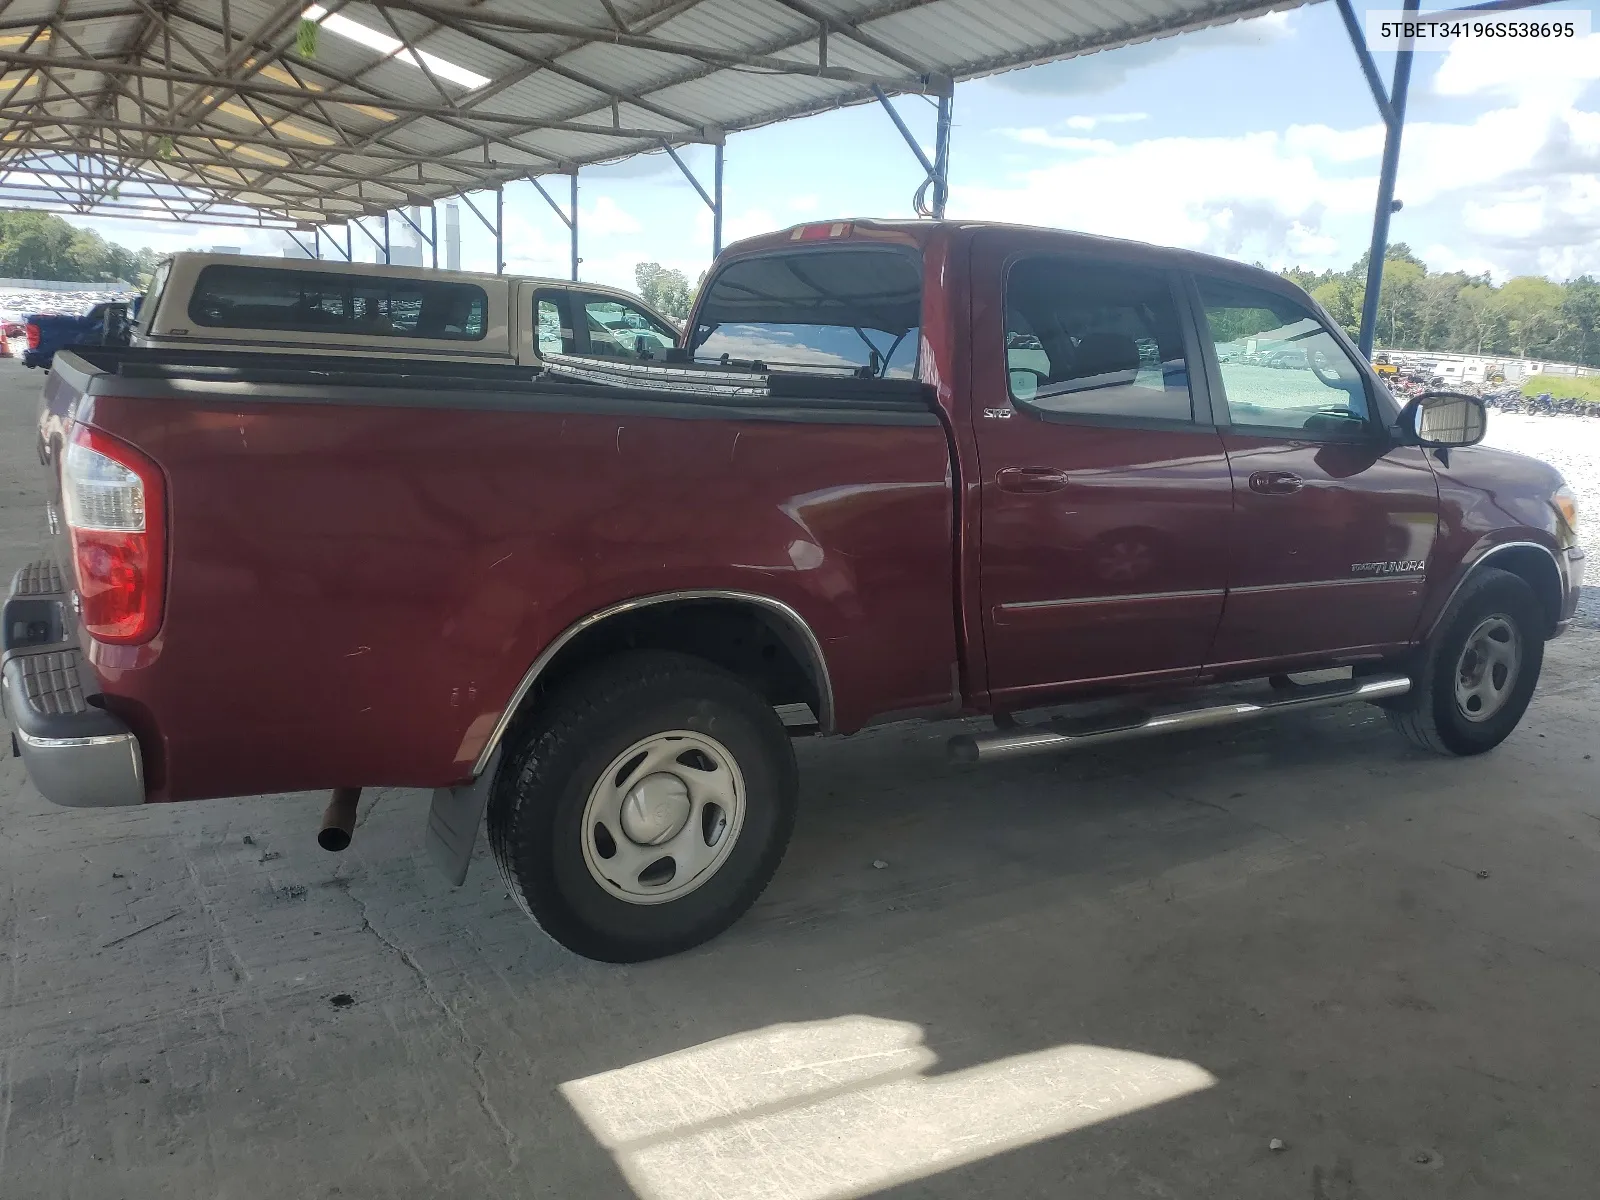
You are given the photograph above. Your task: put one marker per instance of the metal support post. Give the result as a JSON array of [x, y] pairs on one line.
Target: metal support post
[[349, 244], [716, 208], [1394, 127], [295, 238], [938, 167], [367, 233], [386, 238], [570, 220], [497, 228], [713, 203], [422, 237], [433, 242], [941, 157]]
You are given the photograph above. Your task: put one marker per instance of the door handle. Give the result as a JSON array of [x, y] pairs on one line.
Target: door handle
[[1275, 483], [1032, 479]]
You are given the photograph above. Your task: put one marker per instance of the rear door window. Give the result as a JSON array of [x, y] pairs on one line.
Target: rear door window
[[1095, 340], [851, 310], [238, 297]]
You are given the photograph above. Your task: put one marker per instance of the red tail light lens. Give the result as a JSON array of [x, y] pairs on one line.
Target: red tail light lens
[[33, 336], [114, 502]]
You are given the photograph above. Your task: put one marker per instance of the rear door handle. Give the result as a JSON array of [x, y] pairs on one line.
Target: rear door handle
[[1275, 483], [1032, 479]]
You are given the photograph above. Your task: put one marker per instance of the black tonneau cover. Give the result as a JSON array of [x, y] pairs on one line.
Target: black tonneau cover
[[440, 382]]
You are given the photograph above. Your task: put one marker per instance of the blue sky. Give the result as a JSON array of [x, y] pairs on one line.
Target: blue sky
[[1257, 140]]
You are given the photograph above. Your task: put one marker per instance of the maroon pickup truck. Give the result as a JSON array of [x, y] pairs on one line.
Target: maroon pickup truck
[[1090, 488]]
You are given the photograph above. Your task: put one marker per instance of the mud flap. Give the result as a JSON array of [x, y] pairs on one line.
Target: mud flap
[[453, 822]]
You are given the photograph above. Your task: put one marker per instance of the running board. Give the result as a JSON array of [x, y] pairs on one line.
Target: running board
[[1069, 733]]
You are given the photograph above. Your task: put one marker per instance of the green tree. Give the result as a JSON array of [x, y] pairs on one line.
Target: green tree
[[36, 245], [1533, 310], [1580, 321], [1341, 296], [1399, 302], [1480, 318], [664, 289], [1437, 301], [1454, 311]]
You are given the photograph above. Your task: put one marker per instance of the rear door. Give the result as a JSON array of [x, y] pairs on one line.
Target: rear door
[[1104, 487], [1332, 525]]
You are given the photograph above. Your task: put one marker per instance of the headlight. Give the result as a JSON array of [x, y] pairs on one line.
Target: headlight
[[1566, 506]]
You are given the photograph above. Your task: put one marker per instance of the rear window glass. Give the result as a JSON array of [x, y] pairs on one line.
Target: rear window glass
[[850, 310], [230, 297]]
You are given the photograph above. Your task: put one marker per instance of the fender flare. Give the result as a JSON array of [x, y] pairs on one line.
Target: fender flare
[[791, 620], [1473, 567]]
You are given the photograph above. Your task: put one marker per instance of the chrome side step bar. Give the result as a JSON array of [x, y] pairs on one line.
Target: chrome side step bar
[[1070, 733]]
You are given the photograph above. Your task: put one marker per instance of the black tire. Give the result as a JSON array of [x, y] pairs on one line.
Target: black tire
[[1429, 715], [537, 807]]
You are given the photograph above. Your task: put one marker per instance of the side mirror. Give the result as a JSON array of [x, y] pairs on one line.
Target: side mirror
[[1444, 419]]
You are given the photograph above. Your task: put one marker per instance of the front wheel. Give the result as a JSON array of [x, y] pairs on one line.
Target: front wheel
[[1477, 674], [644, 808]]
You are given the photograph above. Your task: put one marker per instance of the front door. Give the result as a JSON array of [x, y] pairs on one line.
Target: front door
[[1333, 525], [1105, 489]]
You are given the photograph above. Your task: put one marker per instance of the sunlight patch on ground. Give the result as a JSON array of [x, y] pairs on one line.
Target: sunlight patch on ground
[[836, 1108]]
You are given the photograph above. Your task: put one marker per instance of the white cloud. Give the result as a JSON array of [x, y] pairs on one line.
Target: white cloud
[[1055, 141], [736, 226], [1087, 122], [1518, 183], [605, 217], [1335, 145], [1253, 196], [1548, 72], [1101, 72], [1443, 257], [171, 236]]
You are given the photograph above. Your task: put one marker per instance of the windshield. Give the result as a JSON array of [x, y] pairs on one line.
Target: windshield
[[850, 310]]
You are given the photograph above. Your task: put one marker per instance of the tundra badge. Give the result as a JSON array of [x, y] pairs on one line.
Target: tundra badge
[[1404, 566]]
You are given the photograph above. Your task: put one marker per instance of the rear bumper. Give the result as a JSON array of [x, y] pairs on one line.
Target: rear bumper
[[76, 753]]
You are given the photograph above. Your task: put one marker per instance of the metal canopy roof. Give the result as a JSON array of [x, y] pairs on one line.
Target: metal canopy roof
[[255, 117]]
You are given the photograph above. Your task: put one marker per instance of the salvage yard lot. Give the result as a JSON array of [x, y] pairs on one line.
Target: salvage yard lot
[[1119, 974]]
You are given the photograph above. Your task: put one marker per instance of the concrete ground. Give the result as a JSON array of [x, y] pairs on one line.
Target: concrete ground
[[1117, 975]]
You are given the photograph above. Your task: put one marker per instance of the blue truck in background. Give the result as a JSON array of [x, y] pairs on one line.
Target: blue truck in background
[[106, 324]]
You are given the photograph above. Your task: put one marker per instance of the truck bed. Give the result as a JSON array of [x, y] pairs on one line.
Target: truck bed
[[379, 551]]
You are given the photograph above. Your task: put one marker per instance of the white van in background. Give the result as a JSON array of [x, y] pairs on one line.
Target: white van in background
[[205, 301]]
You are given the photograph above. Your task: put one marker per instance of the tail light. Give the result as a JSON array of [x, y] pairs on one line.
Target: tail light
[[114, 502], [33, 336], [820, 233]]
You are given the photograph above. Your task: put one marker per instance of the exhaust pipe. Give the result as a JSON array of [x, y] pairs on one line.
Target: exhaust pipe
[[339, 819]]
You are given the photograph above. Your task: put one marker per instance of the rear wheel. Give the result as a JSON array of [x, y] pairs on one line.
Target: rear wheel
[[1477, 674], [645, 807]]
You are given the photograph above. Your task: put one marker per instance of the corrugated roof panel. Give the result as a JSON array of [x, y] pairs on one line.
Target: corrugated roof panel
[[352, 124]]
